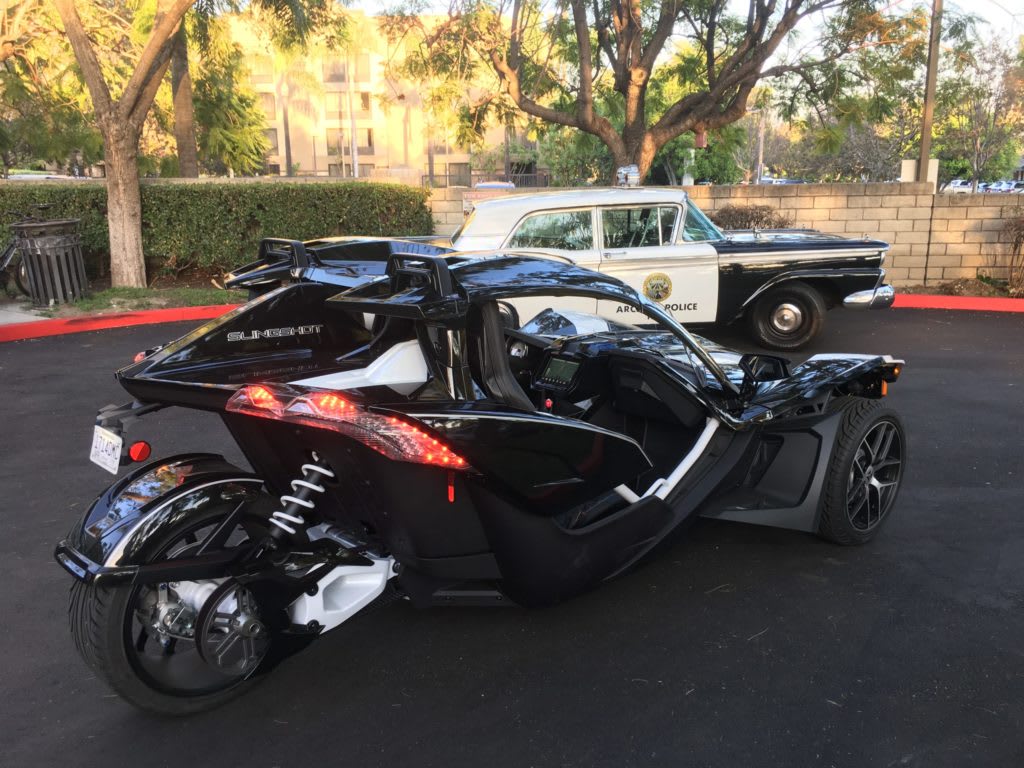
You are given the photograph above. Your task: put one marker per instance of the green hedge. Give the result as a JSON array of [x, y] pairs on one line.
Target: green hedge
[[218, 225]]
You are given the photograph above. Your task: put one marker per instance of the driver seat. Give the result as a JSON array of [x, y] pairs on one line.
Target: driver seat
[[495, 374]]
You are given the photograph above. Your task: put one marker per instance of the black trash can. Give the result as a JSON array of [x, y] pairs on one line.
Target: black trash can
[[52, 251]]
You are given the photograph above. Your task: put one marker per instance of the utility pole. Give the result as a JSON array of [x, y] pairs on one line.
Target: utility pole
[[929, 91]]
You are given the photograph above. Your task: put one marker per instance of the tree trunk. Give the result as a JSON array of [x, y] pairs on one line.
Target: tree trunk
[[184, 112], [288, 170], [124, 209]]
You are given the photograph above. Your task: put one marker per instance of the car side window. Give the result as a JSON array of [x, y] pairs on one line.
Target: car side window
[[640, 227], [697, 228], [563, 230]]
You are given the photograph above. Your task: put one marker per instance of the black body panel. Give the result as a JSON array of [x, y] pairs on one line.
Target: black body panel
[[836, 267]]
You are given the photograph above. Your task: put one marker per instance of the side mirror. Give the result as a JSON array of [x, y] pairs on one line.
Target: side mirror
[[758, 368]]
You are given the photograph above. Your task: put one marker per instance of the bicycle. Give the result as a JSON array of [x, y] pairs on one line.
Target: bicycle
[[10, 255]]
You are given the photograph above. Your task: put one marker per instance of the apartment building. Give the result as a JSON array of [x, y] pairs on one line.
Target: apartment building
[[338, 113]]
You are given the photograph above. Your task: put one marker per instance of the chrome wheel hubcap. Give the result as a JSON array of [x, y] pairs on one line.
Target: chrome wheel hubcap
[[874, 476], [787, 317]]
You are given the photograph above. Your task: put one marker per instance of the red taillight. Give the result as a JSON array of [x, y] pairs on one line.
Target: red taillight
[[394, 437]]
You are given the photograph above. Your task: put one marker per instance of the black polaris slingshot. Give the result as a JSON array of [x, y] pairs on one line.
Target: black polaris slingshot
[[462, 429]]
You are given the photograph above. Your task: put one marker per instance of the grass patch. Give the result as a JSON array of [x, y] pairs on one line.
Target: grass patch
[[125, 299]]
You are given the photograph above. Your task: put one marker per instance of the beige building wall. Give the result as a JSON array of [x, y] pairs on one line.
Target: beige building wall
[[307, 99]]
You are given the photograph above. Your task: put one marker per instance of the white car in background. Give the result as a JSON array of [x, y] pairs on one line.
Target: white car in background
[[959, 187]]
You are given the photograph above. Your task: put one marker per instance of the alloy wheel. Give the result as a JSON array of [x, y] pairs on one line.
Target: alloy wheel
[[875, 475]]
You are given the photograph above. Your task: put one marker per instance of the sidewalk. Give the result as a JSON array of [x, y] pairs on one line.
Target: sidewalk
[[16, 312]]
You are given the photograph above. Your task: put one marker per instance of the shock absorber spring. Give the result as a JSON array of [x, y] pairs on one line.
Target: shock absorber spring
[[300, 499]]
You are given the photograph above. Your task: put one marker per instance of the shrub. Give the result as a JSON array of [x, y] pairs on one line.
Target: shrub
[[218, 225], [1014, 231], [750, 217]]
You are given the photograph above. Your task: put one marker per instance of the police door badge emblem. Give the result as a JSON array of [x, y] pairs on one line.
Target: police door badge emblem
[[657, 286]]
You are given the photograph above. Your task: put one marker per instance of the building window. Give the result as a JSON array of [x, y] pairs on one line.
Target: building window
[[334, 105], [458, 174], [365, 170], [336, 143], [364, 101], [273, 169], [269, 105], [362, 67], [271, 134], [334, 70], [262, 68], [333, 169]]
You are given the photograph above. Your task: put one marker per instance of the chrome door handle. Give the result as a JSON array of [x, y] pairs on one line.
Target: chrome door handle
[[609, 254]]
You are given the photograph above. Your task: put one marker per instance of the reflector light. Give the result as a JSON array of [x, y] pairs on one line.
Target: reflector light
[[139, 451], [391, 436], [139, 357]]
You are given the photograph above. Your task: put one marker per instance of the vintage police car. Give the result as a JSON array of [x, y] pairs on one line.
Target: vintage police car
[[659, 242], [780, 282]]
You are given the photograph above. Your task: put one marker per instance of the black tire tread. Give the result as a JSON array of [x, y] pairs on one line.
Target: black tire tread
[[758, 323]]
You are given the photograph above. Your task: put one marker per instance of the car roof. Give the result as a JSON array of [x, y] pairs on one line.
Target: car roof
[[516, 206]]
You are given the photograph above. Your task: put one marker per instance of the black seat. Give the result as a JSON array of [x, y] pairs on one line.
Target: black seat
[[490, 358]]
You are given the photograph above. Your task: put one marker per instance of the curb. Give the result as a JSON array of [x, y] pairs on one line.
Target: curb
[[970, 303], [41, 328]]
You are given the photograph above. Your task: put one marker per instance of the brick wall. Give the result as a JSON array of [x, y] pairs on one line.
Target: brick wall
[[934, 237]]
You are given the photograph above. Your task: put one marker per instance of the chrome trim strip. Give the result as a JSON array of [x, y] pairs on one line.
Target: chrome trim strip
[[787, 256]]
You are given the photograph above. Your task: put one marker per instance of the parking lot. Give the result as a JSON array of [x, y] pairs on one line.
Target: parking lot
[[739, 646]]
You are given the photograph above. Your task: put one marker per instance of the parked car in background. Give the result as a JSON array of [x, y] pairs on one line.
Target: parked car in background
[[779, 282], [958, 187]]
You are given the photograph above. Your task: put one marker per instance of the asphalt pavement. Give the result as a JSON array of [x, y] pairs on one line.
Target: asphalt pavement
[[739, 646]]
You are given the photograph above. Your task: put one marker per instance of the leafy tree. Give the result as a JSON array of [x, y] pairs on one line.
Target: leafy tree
[[981, 104], [229, 119], [552, 58]]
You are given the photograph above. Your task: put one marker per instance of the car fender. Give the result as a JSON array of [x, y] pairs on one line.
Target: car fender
[[114, 531], [840, 282]]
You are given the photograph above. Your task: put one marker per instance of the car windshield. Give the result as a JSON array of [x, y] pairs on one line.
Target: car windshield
[[697, 227]]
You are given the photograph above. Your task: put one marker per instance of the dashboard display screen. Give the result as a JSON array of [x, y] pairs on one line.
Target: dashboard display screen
[[559, 372]]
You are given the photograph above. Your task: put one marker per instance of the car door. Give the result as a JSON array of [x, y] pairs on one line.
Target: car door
[[568, 233], [663, 251]]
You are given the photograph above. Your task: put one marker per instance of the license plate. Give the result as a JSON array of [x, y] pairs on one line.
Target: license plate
[[106, 449]]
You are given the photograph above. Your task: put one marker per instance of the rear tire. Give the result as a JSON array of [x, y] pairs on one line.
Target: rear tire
[[788, 317], [101, 619], [21, 278], [864, 474]]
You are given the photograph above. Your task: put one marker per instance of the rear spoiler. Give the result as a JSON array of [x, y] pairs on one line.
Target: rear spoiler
[[275, 261], [418, 287]]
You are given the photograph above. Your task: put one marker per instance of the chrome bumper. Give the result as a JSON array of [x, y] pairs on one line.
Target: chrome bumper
[[881, 297]]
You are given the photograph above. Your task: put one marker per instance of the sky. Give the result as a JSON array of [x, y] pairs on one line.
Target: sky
[[1005, 17]]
